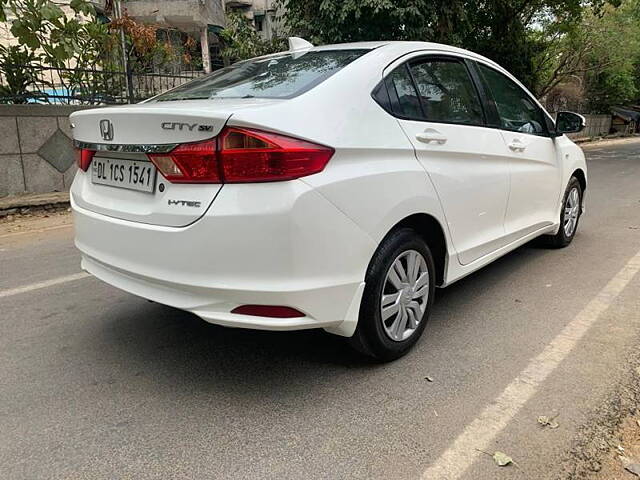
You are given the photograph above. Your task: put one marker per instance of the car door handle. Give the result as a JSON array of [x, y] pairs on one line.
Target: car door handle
[[517, 146], [431, 135]]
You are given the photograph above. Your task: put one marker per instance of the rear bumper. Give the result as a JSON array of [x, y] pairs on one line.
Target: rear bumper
[[271, 244]]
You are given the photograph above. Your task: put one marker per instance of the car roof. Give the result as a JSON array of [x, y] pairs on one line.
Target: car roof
[[403, 46]]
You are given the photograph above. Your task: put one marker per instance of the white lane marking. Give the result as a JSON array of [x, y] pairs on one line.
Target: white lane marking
[[47, 283], [479, 434]]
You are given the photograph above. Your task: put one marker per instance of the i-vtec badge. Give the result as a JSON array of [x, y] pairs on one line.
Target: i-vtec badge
[[186, 126], [185, 203]]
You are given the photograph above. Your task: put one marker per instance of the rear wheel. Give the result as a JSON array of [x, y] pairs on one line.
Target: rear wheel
[[398, 296], [569, 215]]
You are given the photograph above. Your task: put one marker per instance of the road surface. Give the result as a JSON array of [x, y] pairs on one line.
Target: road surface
[[97, 383]]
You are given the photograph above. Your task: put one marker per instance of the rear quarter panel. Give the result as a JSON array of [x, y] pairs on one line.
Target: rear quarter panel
[[374, 176]]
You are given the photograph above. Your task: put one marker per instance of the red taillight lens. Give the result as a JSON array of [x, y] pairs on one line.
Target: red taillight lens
[[84, 157], [272, 311], [255, 156], [241, 155], [189, 163]]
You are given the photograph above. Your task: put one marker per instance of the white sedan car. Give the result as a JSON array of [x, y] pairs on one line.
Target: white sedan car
[[324, 187]]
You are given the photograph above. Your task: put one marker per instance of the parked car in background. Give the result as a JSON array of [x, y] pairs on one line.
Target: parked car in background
[[328, 187]]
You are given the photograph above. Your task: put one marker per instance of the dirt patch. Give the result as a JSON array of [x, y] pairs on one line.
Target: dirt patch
[[613, 432], [628, 451], [36, 219]]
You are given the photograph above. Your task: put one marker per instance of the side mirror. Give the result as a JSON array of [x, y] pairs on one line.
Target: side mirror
[[569, 122]]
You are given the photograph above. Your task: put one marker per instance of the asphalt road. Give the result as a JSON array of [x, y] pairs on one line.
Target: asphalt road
[[96, 383]]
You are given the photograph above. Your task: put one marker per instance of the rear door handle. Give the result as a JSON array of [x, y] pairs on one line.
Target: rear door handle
[[517, 146], [431, 135]]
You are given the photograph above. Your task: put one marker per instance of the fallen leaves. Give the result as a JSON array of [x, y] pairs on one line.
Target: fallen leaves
[[550, 422], [502, 459]]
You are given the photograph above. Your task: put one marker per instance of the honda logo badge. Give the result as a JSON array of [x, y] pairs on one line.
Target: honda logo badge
[[106, 129]]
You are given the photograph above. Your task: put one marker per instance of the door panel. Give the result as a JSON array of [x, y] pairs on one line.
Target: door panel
[[473, 187], [535, 182], [535, 166], [442, 115]]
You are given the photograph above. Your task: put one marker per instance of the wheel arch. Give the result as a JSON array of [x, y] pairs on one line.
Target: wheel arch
[[582, 178], [430, 230]]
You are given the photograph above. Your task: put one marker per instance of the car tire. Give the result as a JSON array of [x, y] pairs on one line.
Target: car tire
[[380, 333], [569, 216]]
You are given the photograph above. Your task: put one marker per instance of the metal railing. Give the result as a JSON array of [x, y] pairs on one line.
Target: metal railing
[[81, 86]]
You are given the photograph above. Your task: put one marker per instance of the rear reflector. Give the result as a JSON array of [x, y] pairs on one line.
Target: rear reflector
[[240, 155], [268, 311], [84, 157]]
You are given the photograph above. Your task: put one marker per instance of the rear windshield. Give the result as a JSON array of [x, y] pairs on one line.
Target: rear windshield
[[277, 76]]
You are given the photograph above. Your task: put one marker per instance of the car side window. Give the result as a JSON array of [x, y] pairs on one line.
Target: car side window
[[447, 92], [404, 99], [518, 112]]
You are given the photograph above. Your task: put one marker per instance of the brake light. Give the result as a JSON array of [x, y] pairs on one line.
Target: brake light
[[255, 156], [84, 158], [240, 155]]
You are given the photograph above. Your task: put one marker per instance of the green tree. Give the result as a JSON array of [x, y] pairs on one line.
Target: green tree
[[612, 67], [241, 41], [596, 58], [503, 30], [78, 47], [19, 81]]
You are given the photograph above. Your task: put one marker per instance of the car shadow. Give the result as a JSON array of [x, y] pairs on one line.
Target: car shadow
[[159, 341]]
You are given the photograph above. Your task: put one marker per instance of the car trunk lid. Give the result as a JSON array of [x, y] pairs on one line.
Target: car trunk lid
[[122, 137]]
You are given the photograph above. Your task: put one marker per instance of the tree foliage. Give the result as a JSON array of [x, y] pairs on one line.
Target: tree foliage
[[612, 66], [503, 30], [241, 41], [78, 46]]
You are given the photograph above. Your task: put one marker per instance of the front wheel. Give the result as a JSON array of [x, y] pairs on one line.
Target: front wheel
[[569, 215], [397, 299]]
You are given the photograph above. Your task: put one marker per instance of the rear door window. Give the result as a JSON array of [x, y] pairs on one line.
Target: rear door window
[[276, 76], [447, 92]]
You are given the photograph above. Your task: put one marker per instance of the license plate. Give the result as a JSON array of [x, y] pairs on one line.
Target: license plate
[[124, 173]]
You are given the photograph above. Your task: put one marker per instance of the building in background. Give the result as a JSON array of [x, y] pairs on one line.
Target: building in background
[[201, 19], [263, 14], [182, 20]]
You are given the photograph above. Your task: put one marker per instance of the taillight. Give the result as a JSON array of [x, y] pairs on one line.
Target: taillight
[[189, 163], [84, 157], [240, 155], [255, 156]]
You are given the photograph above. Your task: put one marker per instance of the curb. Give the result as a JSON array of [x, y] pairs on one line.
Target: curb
[[588, 140], [14, 204]]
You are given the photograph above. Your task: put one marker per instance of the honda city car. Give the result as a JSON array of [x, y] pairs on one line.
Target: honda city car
[[330, 187]]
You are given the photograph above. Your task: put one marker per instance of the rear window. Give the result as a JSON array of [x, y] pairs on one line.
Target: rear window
[[277, 76]]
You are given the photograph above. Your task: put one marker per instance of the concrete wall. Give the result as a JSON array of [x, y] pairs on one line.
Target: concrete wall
[[36, 153]]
